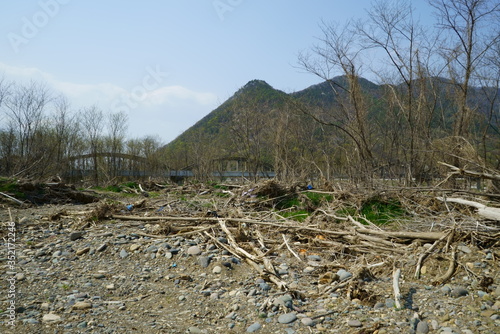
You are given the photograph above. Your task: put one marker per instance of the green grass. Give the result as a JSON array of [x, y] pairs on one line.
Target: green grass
[[297, 215], [11, 187], [317, 198], [381, 212]]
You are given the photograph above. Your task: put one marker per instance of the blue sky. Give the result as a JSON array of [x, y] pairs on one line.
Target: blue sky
[[165, 63]]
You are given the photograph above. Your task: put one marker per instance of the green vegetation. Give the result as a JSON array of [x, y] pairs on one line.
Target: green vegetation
[[11, 187], [381, 212]]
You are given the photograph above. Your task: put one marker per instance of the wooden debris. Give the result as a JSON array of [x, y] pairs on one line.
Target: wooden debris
[[482, 210], [395, 285]]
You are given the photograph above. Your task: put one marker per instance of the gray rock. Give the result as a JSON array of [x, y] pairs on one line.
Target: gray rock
[[344, 275], [194, 250], [354, 323], [287, 318], [204, 261], [307, 322], [151, 249], [314, 258], [217, 270], [102, 247], [422, 327], [123, 253], [31, 321], [194, 330], [459, 292], [75, 235], [464, 249], [254, 327]]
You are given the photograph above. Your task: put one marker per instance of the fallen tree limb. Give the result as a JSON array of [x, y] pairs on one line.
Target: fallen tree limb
[[12, 198], [426, 253], [450, 271], [460, 171], [482, 210]]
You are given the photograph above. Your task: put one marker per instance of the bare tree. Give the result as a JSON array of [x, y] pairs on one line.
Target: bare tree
[[25, 108], [472, 28], [92, 120], [117, 125], [339, 53]]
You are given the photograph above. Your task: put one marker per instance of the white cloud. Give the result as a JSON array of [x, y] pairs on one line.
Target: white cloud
[[164, 110]]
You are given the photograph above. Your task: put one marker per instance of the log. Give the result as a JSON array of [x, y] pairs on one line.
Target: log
[[484, 211]]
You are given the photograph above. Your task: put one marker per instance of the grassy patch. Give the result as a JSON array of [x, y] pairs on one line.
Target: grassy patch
[[297, 215], [381, 212], [11, 187], [318, 198]]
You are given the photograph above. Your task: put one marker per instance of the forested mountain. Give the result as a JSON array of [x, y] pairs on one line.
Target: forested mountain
[[340, 127]]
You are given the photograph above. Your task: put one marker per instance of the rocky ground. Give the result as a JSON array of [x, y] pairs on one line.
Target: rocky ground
[[73, 274]]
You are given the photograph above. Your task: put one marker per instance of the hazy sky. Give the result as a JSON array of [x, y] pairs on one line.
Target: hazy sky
[[166, 63]]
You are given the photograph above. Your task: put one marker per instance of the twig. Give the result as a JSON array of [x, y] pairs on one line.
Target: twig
[[426, 253], [290, 249], [12, 198]]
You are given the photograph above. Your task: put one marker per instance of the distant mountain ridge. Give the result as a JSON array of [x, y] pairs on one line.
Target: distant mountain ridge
[[247, 121]]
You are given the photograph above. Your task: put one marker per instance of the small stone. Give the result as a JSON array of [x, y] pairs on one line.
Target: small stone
[[123, 253], [82, 251], [20, 277], [204, 261], [45, 306], [354, 323], [82, 306], [194, 250], [31, 321], [459, 292], [422, 327], [102, 247], [75, 235], [98, 276], [217, 270], [254, 327], [82, 324], [110, 286], [343, 275], [134, 247], [287, 318], [314, 258], [309, 270], [194, 330], [51, 318], [464, 249], [307, 322]]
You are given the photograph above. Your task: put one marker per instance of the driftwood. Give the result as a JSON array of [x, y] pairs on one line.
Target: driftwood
[[482, 210], [451, 269], [395, 285], [12, 198], [426, 253], [459, 171]]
